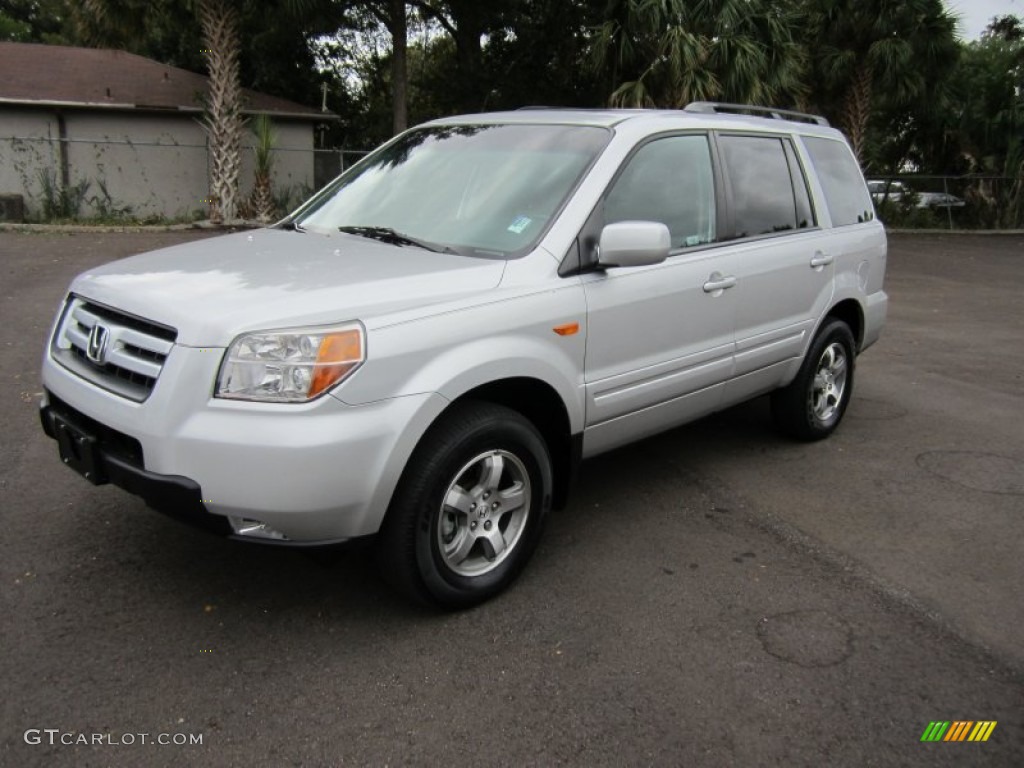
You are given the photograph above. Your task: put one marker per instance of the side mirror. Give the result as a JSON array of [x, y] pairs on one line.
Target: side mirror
[[633, 244]]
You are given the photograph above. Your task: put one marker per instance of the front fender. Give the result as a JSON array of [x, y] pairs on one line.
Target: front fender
[[454, 352]]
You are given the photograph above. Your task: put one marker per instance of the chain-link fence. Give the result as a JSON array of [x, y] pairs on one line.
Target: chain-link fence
[[48, 178], [157, 178], [975, 202]]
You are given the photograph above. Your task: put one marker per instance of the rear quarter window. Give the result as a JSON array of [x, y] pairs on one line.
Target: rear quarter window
[[846, 194]]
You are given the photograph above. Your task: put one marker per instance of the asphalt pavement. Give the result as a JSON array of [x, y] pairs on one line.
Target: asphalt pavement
[[714, 596]]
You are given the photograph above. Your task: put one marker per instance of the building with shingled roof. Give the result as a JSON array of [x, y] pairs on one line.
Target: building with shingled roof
[[124, 131]]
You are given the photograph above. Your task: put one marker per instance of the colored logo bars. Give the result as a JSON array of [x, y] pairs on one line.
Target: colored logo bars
[[958, 730]]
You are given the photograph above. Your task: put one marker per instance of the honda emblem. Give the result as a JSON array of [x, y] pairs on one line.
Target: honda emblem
[[97, 349]]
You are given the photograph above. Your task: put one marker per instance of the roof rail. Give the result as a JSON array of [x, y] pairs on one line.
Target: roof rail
[[712, 107], [530, 107]]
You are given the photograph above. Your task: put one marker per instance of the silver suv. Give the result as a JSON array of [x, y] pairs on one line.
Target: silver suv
[[426, 350]]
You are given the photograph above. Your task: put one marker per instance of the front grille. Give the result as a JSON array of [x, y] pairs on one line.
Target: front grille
[[128, 352]]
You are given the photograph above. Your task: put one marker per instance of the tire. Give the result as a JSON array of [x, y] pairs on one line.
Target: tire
[[469, 509], [812, 405]]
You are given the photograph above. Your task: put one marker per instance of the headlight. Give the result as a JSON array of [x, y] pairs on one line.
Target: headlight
[[290, 366]]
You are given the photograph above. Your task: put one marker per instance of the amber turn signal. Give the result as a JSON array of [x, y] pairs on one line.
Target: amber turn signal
[[339, 353]]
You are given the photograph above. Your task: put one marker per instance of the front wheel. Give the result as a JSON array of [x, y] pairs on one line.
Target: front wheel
[[469, 509], [812, 406]]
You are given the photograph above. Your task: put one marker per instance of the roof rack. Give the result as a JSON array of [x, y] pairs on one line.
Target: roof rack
[[712, 107]]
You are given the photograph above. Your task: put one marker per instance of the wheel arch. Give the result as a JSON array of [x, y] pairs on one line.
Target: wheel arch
[[850, 312], [541, 404]]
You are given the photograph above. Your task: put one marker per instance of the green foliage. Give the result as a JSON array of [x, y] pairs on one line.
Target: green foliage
[[61, 201], [13, 30], [972, 125], [34, 21], [906, 214], [989, 83], [875, 56], [105, 208], [265, 139], [540, 55], [288, 198], [671, 52], [64, 203]]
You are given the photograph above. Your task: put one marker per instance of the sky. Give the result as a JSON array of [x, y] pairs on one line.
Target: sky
[[976, 14]]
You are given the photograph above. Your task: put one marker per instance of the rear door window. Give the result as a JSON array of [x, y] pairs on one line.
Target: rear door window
[[769, 192]]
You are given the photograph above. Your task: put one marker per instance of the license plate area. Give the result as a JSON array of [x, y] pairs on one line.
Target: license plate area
[[79, 450]]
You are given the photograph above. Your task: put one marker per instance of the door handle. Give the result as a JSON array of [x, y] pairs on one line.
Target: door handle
[[821, 259], [717, 283]]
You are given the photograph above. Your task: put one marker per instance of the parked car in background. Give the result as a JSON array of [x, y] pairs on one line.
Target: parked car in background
[[893, 191], [938, 200]]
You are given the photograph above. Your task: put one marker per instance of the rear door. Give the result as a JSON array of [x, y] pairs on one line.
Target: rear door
[[784, 263]]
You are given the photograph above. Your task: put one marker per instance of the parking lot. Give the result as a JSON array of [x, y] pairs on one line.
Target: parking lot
[[713, 596]]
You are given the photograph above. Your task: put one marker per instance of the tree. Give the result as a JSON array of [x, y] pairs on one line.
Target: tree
[[469, 22], [465, 21], [222, 118], [863, 48], [14, 30], [355, 22], [537, 52], [671, 52], [33, 21], [989, 82], [393, 14]]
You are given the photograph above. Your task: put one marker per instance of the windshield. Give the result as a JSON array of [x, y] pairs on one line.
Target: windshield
[[481, 190]]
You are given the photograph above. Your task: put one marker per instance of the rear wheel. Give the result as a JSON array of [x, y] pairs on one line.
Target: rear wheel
[[812, 406], [469, 508]]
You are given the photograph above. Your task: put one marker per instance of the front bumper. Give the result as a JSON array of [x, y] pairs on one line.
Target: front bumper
[[317, 473], [175, 496]]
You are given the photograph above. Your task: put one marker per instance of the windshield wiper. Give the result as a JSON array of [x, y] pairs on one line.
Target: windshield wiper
[[292, 226], [388, 235]]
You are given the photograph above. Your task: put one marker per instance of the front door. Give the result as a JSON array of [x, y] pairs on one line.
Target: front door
[[660, 337]]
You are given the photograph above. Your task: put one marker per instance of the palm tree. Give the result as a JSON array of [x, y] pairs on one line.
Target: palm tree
[[864, 50], [222, 118], [670, 52]]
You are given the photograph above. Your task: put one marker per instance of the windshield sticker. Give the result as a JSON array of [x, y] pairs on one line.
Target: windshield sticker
[[520, 224]]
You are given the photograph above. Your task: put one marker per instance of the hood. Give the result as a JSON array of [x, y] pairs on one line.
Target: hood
[[211, 290]]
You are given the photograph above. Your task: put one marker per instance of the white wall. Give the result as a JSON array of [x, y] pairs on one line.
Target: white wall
[[166, 180], [22, 161], [144, 164]]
